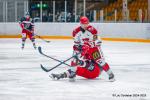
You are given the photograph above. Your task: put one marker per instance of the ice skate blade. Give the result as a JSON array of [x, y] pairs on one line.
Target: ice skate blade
[[71, 80], [53, 78], [22, 48], [112, 80], [35, 48]]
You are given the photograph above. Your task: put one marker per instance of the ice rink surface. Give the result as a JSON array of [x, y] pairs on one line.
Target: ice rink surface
[[21, 77]]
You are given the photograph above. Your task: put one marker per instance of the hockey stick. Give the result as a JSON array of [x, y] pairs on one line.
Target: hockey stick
[[42, 39], [40, 51], [39, 37], [47, 70]]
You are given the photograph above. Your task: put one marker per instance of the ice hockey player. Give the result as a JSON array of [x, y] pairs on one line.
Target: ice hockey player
[[89, 61], [27, 26]]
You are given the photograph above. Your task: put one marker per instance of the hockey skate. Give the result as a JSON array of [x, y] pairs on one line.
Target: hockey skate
[[111, 77], [58, 76], [34, 45], [22, 47], [72, 76]]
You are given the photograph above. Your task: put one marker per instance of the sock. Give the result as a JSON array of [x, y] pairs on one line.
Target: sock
[[106, 67]]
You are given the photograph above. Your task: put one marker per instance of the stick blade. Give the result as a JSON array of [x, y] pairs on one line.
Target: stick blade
[[44, 68], [47, 41], [40, 50]]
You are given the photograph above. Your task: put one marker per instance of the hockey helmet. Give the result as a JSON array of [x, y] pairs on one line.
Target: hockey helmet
[[27, 15], [84, 20]]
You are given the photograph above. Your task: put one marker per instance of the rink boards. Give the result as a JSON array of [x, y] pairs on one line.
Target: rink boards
[[69, 37], [131, 32]]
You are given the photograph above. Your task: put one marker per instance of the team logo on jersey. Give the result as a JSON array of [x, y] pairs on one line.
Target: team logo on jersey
[[96, 55]]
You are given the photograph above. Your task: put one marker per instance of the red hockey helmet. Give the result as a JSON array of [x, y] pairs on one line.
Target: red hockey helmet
[[84, 20]]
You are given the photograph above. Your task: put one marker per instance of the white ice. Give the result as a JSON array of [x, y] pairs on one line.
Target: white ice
[[21, 77]]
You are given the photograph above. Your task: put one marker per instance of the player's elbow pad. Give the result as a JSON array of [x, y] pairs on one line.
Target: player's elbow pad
[[98, 42]]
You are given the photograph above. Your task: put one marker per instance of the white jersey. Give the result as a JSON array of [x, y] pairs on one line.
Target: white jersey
[[82, 36]]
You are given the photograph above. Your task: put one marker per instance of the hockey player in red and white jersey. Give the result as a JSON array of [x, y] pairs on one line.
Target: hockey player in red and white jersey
[[89, 61], [27, 26]]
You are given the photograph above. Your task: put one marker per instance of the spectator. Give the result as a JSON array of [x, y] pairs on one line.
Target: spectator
[[69, 17], [72, 19], [44, 18], [57, 17], [37, 18], [50, 17]]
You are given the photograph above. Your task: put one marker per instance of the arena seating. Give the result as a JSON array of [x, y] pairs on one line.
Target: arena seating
[[133, 6]]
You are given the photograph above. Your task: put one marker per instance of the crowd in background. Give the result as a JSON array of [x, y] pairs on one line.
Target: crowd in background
[[60, 17]]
